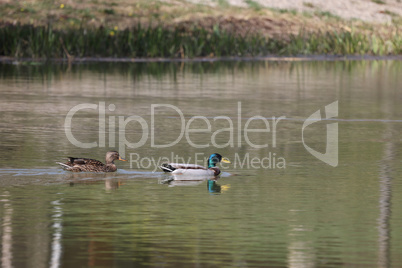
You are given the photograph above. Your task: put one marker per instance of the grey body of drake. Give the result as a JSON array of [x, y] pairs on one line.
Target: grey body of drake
[[92, 165], [196, 170]]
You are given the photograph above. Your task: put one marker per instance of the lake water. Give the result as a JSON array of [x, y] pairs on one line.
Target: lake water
[[275, 205]]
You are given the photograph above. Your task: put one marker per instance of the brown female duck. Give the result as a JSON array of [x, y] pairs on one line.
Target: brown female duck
[[92, 165]]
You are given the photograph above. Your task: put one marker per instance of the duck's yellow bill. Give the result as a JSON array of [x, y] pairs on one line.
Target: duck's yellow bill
[[225, 160], [122, 159]]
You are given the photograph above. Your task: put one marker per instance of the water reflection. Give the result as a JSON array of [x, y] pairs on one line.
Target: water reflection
[[214, 187], [57, 226], [307, 215], [111, 181], [301, 255], [7, 229], [185, 180], [385, 200]]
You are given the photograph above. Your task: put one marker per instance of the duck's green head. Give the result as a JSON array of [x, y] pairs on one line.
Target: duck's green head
[[215, 159]]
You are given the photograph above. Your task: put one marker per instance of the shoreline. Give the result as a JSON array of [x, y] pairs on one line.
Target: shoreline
[[272, 58], [29, 41], [181, 29]]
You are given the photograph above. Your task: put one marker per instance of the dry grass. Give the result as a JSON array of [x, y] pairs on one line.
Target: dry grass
[[122, 14], [121, 28]]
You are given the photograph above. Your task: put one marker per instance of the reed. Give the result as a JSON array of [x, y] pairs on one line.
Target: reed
[[44, 42]]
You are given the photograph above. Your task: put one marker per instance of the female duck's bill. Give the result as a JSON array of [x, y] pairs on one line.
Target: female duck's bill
[[196, 170], [92, 165]]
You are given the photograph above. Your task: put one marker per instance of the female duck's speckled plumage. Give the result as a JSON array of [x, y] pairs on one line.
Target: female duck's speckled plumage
[[92, 165], [196, 170]]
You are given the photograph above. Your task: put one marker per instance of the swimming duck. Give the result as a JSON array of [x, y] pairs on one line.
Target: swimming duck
[[92, 165], [196, 170]]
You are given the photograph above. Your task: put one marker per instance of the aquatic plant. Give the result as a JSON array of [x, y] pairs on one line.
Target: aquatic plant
[[44, 42]]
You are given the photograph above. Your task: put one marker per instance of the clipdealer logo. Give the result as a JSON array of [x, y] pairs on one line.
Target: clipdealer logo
[[331, 152], [270, 126]]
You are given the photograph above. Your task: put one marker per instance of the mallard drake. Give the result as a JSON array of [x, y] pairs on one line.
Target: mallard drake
[[92, 165], [196, 170]]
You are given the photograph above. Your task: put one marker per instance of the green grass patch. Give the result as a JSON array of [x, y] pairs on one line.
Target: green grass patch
[[326, 14], [27, 41], [307, 14], [86, 13], [109, 11], [390, 13], [27, 10], [254, 5], [223, 3], [379, 2], [286, 11]]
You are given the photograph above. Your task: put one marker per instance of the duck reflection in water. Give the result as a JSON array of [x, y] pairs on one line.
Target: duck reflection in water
[[183, 180], [213, 187], [111, 183]]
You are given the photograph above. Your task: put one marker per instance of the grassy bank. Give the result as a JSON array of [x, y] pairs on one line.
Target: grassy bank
[[89, 28], [28, 41]]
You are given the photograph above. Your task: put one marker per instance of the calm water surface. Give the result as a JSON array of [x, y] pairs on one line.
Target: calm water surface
[[291, 210]]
